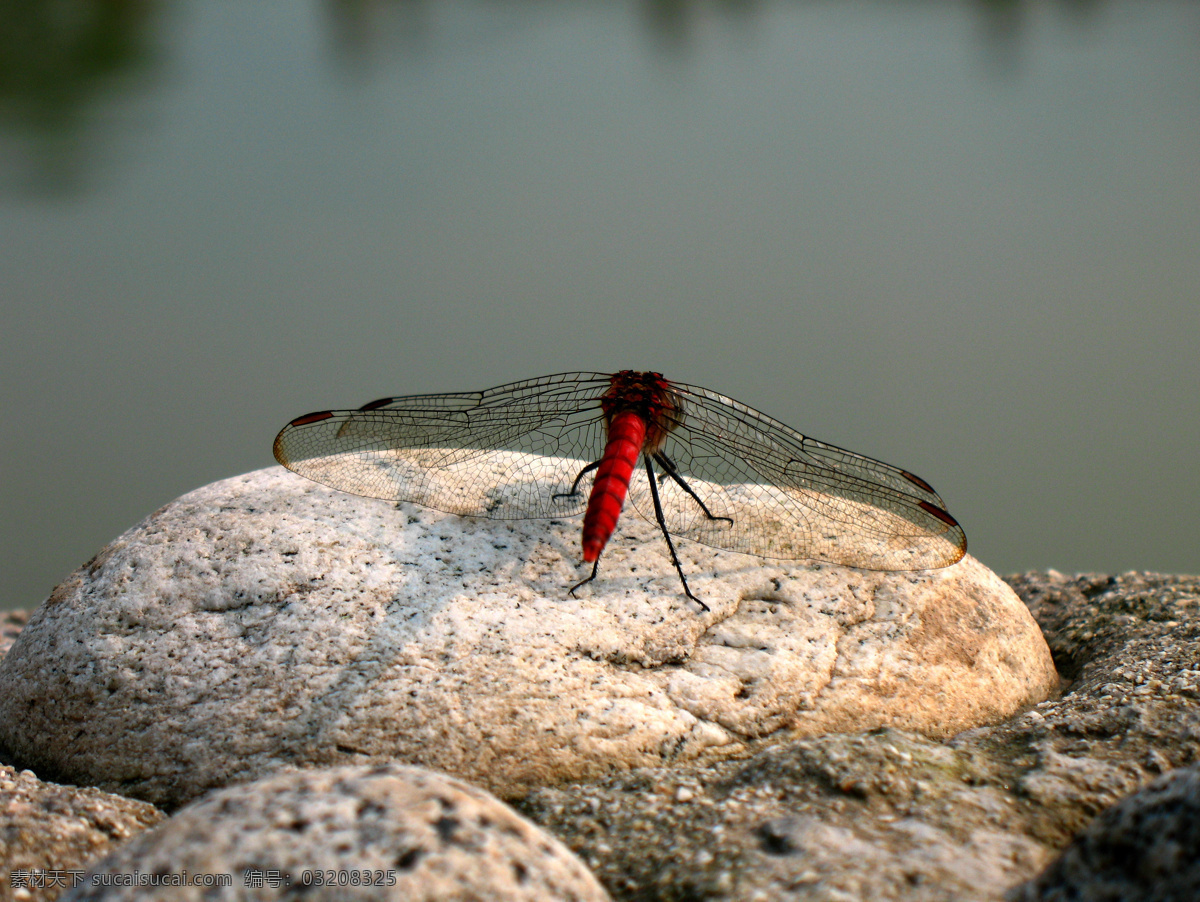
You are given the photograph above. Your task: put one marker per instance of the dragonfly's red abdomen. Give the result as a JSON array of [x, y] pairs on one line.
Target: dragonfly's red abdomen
[[626, 436]]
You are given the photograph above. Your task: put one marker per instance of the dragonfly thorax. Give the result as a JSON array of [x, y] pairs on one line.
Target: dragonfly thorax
[[650, 397]]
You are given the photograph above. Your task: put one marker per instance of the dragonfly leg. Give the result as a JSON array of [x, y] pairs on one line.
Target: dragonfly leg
[[662, 524], [595, 570], [574, 489], [669, 470]]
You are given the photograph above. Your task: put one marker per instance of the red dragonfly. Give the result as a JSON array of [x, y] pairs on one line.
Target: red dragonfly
[[728, 476]]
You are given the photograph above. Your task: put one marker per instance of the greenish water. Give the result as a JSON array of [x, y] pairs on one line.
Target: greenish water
[[960, 237]]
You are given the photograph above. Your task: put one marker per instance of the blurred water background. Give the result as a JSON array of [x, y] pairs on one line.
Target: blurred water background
[[962, 237]]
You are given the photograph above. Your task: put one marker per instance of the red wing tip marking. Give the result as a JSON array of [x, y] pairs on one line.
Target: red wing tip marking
[[375, 405], [280, 454], [934, 511], [311, 418], [918, 482]]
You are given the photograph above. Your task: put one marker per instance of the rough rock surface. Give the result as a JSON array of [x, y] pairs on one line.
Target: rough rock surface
[[372, 833], [891, 815], [267, 621], [887, 815], [50, 833], [1146, 847]]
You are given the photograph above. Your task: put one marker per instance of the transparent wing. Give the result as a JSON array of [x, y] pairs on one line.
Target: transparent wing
[[789, 496], [511, 452], [516, 451]]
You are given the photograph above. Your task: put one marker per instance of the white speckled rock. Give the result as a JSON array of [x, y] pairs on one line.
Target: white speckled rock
[[390, 832], [265, 621]]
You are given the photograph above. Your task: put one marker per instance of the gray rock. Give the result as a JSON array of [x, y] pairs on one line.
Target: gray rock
[[382, 833], [50, 833], [1146, 847], [1129, 648], [266, 621], [887, 815], [884, 815]]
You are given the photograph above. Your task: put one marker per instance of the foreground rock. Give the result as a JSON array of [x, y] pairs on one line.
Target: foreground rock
[[384, 833], [1146, 847], [266, 621], [882, 816], [50, 833], [888, 815]]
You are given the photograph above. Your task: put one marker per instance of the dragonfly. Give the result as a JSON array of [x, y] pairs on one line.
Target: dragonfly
[[716, 471]]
